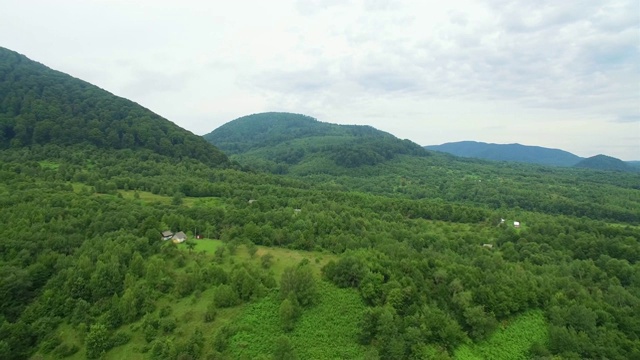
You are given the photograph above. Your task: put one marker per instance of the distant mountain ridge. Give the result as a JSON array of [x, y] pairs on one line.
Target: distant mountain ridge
[[41, 106], [509, 152]]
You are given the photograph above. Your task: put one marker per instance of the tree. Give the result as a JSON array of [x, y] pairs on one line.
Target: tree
[[390, 345], [299, 280], [218, 255], [162, 348], [266, 260], [190, 244], [177, 199], [284, 350], [97, 341], [289, 312], [245, 284], [252, 249], [226, 296], [347, 272], [211, 312], [481, 323], [369, 325], [5, 350]]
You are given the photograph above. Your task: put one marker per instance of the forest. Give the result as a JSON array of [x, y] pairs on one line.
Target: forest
[[415, 255]]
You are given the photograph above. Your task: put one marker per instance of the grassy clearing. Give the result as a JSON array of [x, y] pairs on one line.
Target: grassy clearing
[[148, 198], [282, 258], [49, 165], [327, 330], [208, 246], [512, 342]]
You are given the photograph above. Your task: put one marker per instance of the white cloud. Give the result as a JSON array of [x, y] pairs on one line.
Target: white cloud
[[490, 70]]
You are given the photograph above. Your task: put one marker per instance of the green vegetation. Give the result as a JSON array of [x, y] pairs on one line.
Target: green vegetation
[[327, 330], [404, 257], [515, 341], [292, 143], [42, 106], [603, 162]]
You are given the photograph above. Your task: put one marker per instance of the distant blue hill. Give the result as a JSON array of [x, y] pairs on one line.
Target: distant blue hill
[[509, 152]]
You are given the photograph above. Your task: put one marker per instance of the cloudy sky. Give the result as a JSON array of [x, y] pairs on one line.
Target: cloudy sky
[[562, 74]]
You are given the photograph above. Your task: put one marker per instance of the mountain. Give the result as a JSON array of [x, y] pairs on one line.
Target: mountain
[[282, 142], [509, 152], [41, 106], [604, 162]]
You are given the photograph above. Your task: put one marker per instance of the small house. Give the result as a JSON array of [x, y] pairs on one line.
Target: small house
[[516, 224], [297, 211], [179, 237], [252, 201], [488, 246], [167, 235]]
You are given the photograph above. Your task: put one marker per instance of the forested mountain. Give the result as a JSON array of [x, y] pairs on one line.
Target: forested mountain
[[508, 152], [410, 256], [285, 142], [604, 162], [41, 106]]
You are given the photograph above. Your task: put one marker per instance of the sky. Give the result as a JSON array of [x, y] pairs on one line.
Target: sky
[[560, 74]]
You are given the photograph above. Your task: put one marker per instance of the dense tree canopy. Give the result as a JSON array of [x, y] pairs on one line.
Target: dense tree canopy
[[43, 106]]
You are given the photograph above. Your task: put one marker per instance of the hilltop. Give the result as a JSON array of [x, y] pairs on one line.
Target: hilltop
[[40, 107], [286, 142], [509, 152], [604, 162]]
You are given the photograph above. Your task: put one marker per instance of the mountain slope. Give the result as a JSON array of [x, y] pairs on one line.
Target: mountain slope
[[634, 164], [283, 142], [603, 162], [509, 152], [41, 106]]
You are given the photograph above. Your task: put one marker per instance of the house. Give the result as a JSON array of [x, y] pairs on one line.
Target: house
[[167, 235], [252, 201], [488, 246], [179, 237], [516, 224], [297, 211]]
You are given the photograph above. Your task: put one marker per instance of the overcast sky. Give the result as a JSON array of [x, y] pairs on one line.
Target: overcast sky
[[562, 74]]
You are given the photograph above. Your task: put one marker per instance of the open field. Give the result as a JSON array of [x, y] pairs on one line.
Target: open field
[[282, 258]]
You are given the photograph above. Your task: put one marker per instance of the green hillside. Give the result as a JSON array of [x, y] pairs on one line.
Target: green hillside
[[293, 143], [411, 257], [40, 106], [603, 162]]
